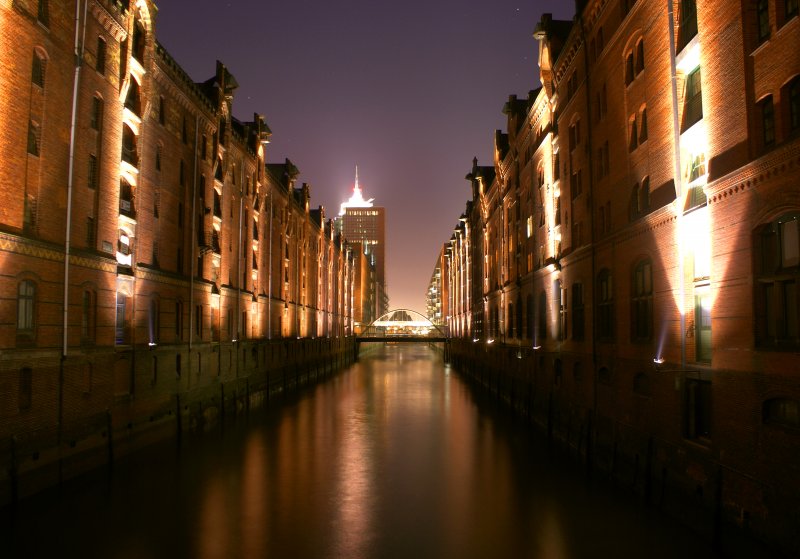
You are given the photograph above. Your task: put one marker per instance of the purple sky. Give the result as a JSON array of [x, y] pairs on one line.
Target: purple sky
[[409, 91]]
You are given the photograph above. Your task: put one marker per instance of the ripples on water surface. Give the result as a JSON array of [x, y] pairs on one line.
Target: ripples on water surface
[[395, 457]]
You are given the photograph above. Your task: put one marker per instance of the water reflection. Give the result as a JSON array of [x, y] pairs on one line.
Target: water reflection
[[396, 457]]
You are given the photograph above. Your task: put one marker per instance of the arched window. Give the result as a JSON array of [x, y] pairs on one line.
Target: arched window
[[629, 68], [792, 94], [639, 56], [133, 100], [126, 199], [26, 307], [129, 153], [642, 302], [139, 35], [38, 69]]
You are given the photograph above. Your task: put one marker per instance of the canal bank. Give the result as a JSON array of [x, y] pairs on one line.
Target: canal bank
[[623, 434], [101, 405]]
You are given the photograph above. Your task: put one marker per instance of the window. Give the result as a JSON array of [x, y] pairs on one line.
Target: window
[[574, 135], [96, 116], [702, 324], [178, 321], [43, 13], [121, 330], [794, 105], [644, 196], [561, 295], [25, 390], [642, 304], [34, 137], [132, 99], [138, 41], [91, 178], [605, 306], [129, 154], [762, 11], [577, 311], [693, 100], [203, 145], [633, 142], [38, 69], [688, 25], [100, 62], [777, 247], [91, 236], [629, 68], [639, 56], [159, 150], [782, 411], [126, 200], [154, 321], [767, 121], [791, 8], [643, 125], [697, 409], [26, 301]]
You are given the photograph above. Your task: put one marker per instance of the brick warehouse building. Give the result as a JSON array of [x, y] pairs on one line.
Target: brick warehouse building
[[626, 270], [187, 259]]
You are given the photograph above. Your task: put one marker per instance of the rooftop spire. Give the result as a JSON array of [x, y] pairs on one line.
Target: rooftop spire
[[356, 200]]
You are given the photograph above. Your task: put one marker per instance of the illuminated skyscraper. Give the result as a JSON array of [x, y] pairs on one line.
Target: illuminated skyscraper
[[365, 224]]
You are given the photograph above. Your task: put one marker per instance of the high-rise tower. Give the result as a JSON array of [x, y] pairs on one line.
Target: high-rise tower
[[364, 224]]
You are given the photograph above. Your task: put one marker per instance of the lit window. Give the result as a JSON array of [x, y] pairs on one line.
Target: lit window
[[693, 100], [26, 298]]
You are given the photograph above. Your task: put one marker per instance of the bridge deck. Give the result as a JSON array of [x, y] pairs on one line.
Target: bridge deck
[[402, 339]]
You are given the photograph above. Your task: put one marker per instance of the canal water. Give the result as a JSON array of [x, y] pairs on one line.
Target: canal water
[[395, 457]]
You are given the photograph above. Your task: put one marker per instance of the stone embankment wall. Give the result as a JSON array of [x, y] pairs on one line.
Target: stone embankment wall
[[638, 446], [93, 408]]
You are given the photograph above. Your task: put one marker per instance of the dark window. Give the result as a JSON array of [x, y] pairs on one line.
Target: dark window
[[644, 196], [184, 131], [91, 236], [182, 173], [577, 311], [38, 70], [154, 321], [639, 56], [100, 63], [633, 143], [43, 13], [26, 301], [132, 100], [138, 41], [702, 325], [629, 68], [126, 199], [693, 100], [643, 126], [794, 104], [767, 121], [641, 385], [121, 329], [688, 26], [791, 8], [158, 158], [698, 409], [782, 411], [762, 10], [605, 306], [203, 145], [777, 312], [34, 137], [642, 303], [178, 321], [96, 116]]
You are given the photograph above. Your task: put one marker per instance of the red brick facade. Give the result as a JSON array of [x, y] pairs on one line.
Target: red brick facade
[[187, 255], [635, 246]]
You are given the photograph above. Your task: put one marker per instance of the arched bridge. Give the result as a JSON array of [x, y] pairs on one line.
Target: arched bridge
[[404, 326]]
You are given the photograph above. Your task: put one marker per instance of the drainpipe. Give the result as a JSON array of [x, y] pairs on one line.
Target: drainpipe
[[676, 140], [79, 36], [269, 295], [193, 232]]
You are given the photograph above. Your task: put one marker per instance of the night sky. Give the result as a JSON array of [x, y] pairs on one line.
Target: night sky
[[409, 91]]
